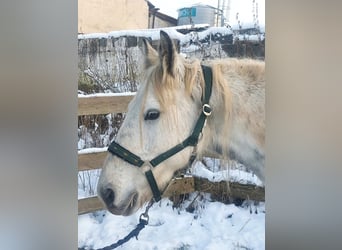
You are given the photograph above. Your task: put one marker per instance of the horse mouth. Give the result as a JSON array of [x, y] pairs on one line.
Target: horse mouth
[[128, 209]]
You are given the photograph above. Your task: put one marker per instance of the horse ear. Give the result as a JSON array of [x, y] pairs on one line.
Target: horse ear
[[151, 55], [167, 53]]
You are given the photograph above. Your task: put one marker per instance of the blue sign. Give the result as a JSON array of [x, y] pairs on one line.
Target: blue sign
[[187, 12]]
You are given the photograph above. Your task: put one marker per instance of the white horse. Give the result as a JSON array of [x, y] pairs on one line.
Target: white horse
[[166, 110]]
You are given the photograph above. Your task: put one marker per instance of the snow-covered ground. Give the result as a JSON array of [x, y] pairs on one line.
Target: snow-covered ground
[[212, 225]]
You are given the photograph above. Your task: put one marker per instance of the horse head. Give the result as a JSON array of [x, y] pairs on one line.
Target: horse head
[[162, 114]]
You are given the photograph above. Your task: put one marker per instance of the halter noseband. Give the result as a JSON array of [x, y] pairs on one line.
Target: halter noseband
[[192, 140]]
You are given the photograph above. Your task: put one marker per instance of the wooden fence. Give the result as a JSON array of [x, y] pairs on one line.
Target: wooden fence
[[117, 104]]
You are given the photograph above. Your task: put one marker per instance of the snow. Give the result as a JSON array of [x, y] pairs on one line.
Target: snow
[[87, 186], [106, 94], [154, 34], [235, 174], [92, 150], [212, 225]]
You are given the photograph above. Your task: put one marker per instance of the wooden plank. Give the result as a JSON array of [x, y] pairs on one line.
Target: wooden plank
[[88, 205], [224, 191], [221, 191], [91, 160], [103, 104], [180, 186]]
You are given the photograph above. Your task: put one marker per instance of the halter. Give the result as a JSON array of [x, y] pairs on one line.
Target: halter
[[192, 140]]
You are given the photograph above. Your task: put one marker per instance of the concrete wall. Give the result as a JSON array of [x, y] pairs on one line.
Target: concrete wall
[[102, 16], [114, 63]]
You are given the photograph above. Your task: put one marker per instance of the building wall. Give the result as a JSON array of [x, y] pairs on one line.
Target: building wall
[[102, 16], [159, 23]]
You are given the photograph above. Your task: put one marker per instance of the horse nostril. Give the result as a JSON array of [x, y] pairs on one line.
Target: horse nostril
[[108, 196]]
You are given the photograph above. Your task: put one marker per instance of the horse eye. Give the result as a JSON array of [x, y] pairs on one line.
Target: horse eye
[[152, 114]]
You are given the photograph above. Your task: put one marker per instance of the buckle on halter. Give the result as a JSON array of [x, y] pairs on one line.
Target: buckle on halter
[[206, 109]]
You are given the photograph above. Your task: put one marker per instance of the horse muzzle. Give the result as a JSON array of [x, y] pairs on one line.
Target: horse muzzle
[[119, 205]]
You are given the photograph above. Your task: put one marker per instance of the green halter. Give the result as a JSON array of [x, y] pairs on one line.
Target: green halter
[[192, 140]]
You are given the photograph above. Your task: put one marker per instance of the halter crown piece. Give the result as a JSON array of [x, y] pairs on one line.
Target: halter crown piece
[[192, 140]]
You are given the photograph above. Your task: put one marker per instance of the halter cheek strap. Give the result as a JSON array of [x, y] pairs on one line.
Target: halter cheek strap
[[192, 140]]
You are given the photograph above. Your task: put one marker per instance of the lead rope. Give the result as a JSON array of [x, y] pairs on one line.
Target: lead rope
[[143, 221]]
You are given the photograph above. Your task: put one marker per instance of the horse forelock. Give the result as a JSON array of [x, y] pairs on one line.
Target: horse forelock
[[188, 74]]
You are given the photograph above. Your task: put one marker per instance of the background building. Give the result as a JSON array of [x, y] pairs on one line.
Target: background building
[[157, 19], [99, 16]]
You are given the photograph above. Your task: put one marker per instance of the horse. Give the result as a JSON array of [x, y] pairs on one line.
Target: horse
[[161, 130]]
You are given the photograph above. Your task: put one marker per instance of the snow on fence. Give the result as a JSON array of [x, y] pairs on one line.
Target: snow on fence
[[89, 159]]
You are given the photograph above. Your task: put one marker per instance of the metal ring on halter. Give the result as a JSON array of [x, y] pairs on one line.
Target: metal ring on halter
[[147, 164], [206, 109]]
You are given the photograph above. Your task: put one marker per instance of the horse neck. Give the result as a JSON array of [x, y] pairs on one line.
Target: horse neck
[[215, 139], [231, 119]]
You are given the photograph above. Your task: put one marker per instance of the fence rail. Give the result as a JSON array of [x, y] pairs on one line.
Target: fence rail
[[91, 160], [94, 160], [97, 105]]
